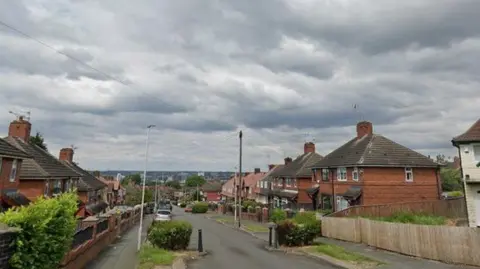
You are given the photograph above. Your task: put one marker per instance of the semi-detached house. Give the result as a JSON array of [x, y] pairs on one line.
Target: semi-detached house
[[11, 160], [372, 169], [468, 145]]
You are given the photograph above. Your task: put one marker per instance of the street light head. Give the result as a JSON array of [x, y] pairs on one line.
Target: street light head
[[151, 126]]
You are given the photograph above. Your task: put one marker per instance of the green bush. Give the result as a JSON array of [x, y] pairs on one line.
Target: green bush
[[200, 207], [183, 205], [47, 230], [171, 235], [292, 233], [305, 217], [278, 215]]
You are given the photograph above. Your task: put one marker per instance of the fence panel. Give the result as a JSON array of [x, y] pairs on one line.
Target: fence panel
[[443, 243], [82, 236], [453, 208], [102, 226]]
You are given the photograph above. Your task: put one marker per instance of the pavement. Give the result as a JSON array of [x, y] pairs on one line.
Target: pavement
[[122, 254], [234, 249]]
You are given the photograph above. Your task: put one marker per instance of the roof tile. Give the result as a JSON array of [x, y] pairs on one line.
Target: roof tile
[[471, 135]]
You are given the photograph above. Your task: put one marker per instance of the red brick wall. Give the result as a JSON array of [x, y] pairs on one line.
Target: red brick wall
[[213, 196], [32, 189], [388, 185], [303, 184], [5, 170]]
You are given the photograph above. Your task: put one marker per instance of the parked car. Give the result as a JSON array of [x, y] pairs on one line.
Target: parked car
[[163, 215], [188, 208]]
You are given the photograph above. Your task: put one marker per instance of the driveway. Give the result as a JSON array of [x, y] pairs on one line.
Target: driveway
[[232, 249]]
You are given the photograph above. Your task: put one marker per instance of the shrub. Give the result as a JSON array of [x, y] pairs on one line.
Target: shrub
[[291, 233], [171, 235], [47, 230], [278, 215], [200, 207], [305, 217], [183, 205], [212, 206]]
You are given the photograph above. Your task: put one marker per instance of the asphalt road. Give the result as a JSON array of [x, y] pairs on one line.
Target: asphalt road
[[232, 249]]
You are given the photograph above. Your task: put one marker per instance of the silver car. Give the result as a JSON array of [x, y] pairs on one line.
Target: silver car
[[163, 215]]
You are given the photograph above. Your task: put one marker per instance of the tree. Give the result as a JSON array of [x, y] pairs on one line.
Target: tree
[[451, 179], [194, 181], [38, 140], [136, 179], [134, 196], [173, 184]]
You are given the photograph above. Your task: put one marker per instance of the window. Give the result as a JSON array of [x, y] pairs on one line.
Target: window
[[288, 181], [325, 173], [476, 152], [342, 174], [408, 174], [57, 187], [355, 174], [294, 182], [46, 191], [13, 172]]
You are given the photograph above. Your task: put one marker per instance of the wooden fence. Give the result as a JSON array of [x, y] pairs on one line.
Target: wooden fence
[[442, 243], [454, 208]]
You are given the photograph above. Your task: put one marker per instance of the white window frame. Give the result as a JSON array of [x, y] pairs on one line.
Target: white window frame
[[476, 147], [325, 170], [408, 170], [288, 182], [46, 190], [341, 171], [355, 174], [294, 182], [13, 172]]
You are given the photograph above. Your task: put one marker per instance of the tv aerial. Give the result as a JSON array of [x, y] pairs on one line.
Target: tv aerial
[[23, 115]]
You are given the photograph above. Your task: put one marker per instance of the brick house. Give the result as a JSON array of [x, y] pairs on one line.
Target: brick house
[[212, 191], [43, 174], [115, 192], [228, 190], [371, 169], [249, 182], [11, 160], [264, 187], [91, 191], [468, 145], [292, 185]]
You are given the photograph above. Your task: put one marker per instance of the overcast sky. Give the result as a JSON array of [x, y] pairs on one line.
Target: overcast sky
[[283, 71]]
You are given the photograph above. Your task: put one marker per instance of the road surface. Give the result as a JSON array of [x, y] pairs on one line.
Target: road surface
[[232, 249]]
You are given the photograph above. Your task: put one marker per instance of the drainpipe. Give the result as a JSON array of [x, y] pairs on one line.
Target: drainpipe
[[334, 203]]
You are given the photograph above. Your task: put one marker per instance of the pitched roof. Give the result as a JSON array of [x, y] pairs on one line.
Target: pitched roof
[[7, 150], [268, 176], [87, 180], [212, 186], [374, 150], [42, 165], [300, 167], [471, 135], [251, 179]]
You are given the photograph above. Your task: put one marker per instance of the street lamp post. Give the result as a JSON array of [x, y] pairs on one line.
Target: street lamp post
[[139, 243]]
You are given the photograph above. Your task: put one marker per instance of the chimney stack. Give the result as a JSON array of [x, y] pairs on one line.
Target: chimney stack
[[66, 154], [257, 170], [20, 128], [364, 128], [309, 147], [288, 160], [271, 166]]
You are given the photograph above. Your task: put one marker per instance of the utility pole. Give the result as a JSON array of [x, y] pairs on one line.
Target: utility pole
[[235, 197], [240, 135], [139, 239]]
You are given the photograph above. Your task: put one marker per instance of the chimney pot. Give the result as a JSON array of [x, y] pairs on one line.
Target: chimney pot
[[257, 170], [288, 160], [66, 154], [364, 128], [20, 128], [309, 147]]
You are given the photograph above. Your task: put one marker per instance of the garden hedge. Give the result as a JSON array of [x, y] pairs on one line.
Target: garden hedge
[[47, 230], [171, 235], [200, 207], [300, 231]]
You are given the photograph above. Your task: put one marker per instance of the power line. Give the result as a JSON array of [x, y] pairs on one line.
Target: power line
[[61, 52]]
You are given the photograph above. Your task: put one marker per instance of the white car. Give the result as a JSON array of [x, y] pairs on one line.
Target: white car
[[163, 215]]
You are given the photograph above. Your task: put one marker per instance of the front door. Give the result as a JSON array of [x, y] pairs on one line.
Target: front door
[[477, 208]]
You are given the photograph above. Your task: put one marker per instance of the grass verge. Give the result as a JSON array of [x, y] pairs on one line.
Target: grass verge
[[342, 254], [226, 220], [255, 228], [150, 256]]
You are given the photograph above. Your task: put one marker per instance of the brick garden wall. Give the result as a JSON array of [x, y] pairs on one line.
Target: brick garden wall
[[6, 250], [91, 242]]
